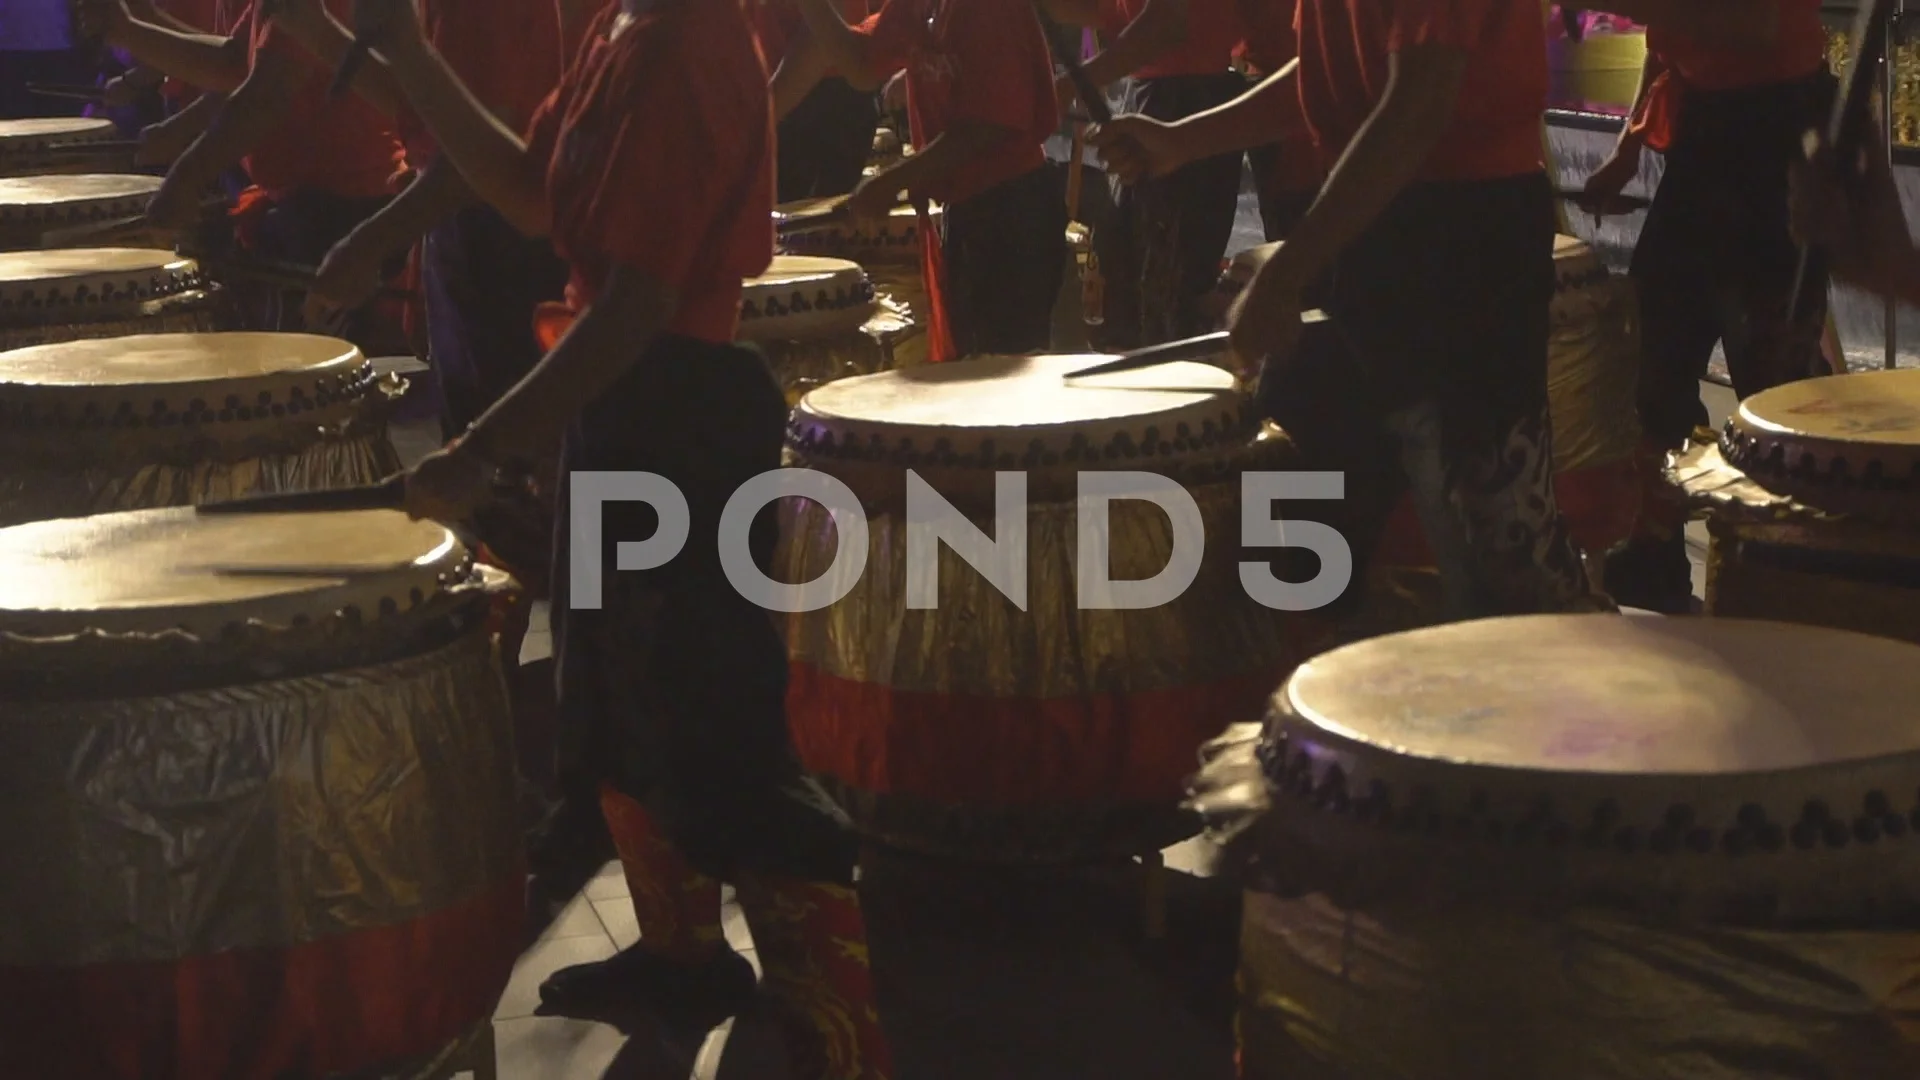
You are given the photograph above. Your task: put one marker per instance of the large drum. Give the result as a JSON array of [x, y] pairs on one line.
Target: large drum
[[891, 256], [180, 419], [1053, 730], [1810, 504], [49, 296], [257, 811], [60, 145], [1593, 377], [1585, 847], [817, 320], [36, 210]]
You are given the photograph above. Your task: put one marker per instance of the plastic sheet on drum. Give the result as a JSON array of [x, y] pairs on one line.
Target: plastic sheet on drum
[[261, 815], [29, 493], [1328, 993], [1593, 378]]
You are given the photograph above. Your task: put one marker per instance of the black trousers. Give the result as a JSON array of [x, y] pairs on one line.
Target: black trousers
[[674, 690], [1432, 373], [1005, 252], [1160, 254], [1715, 259], [825, 142], [483, 280]]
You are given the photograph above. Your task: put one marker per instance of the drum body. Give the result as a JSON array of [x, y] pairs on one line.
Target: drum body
[[256, 821], [1593, 375], [158, 420], [44, 147], [817, 320], [1809, 501], [983, 728], [53, 296], [36, 210], [1587, 846], [891, 254]]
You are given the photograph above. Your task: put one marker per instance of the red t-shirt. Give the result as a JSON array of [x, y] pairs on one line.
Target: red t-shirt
[[778, 23], [1799, 51], [984, 61], [1213, 29], [660, 148], [1495, 131], [343, 147], [508, 52]]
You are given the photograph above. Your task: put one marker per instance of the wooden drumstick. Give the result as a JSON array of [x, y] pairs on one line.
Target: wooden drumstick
[[1192, 348]]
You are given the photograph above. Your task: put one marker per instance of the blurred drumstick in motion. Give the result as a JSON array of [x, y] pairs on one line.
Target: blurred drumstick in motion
[[1193, 348]]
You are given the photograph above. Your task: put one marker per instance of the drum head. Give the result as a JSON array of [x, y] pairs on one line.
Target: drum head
[[87, 188], [1710, 769], [803, 298], [151, 571], [1842, 443], [173, 359], [89, 275], [61, 128], [1640, 697]]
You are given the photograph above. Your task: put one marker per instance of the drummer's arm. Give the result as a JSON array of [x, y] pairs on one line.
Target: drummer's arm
[[609, 337], [318, 32], [1860, 227], [1259, 117], [1160, 28], [923, 170], [805, 64], [492, 157], [247, 117], [854, 53], [1423, 88], [203, 60], [438, 192], [164, 142]]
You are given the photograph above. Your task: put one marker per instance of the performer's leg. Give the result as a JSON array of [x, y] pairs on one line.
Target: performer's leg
[[1679, 324], [1005, 260]]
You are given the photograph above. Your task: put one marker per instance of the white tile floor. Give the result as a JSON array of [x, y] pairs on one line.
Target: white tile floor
[[597, 924]]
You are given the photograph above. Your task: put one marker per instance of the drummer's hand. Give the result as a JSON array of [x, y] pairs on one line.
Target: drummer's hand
[[119, 92], [874, 199], [893, 96], [1265, 320], [1603, 189], [448, 485], [1064, 94], [174, 207], [1135, 148], [348, 278]]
